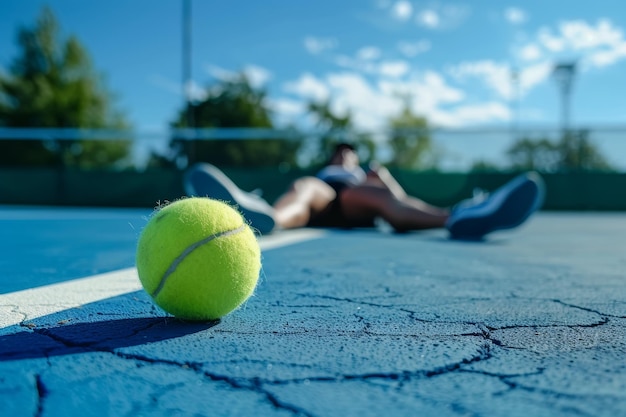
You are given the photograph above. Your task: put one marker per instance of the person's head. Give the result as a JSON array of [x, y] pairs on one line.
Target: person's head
[[344, 154]]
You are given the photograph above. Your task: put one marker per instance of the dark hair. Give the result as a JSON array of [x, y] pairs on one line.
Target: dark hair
[[343, 145], [339, 147]]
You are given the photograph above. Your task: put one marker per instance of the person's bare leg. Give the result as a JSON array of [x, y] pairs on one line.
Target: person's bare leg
[[370, 201], [306, 197], [380, 175]]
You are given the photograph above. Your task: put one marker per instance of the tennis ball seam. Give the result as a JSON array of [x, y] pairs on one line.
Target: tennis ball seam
[[180, 258]]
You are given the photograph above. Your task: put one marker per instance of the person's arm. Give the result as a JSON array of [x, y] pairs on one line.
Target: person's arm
[[378, 174]]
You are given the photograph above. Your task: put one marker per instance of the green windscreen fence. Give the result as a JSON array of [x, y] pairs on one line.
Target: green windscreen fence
[[584, 169], [112, 188]]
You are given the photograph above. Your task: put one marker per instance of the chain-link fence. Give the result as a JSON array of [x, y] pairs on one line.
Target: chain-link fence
[[444, 150]]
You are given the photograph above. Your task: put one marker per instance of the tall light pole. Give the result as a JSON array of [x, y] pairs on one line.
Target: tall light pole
[[187, 62], [515, 101], [564, 73]]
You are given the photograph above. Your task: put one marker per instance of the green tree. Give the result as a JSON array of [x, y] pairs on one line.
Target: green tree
[[52, 84], [484, 166], [579, 153], [574, 152], [335, 129], [230, 104], [534, 154], [410, 141]]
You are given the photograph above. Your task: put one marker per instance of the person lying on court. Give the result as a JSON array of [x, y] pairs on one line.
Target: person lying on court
[[345, 195]]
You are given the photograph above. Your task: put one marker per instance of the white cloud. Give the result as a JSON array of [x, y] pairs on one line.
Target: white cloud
[[412, 49], [441, 16], [372, 103], [530, 52], [309, 87], [359, 65], [195, 92], [550, 42], [402, 10], [365, 63], [499, 76], [432, 89], [369, 108], [442, 104], [345, 61], [286, 107], [495, 75], [221, 74], [286, 110], [393, 69], [372, 88], [515, 15], [258, 76], [428, 18], [580, 35], [607, 57], [596, 45], [533, 75], [316, 45], [469, 114], [427, 92], [368, 53]]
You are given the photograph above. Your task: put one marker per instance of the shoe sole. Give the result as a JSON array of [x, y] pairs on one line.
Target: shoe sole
[[506, 212], [205, 180]]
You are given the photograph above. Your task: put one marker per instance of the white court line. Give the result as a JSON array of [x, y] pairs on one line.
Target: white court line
[[37, 302], [289, 237]]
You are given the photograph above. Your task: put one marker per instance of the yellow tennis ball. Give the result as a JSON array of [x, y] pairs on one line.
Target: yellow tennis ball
[[198, 259]]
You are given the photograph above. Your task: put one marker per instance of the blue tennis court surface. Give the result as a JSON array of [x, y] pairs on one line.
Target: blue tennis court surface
[[48, 245], [364, 323]]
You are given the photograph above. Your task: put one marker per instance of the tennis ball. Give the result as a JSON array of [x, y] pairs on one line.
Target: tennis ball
[[198, 259]]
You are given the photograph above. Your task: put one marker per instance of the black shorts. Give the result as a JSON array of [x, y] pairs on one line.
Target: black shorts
[[333, 215]]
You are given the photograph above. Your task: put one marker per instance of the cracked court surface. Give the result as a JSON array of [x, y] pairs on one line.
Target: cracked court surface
[[529, 322]]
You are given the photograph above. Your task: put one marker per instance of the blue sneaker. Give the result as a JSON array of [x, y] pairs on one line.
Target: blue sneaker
[[206, 180], [507, 207]]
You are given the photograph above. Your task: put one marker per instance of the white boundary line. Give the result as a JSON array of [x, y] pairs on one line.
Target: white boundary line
[[37, 302]]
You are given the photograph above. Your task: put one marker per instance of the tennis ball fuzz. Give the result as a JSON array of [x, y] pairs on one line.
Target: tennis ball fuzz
[[198, 259]]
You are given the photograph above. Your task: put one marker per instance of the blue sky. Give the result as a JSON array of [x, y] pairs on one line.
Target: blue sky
[[454, 59]]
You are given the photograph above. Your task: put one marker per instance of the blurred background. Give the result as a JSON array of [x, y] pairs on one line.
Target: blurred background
[[107, 103]]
